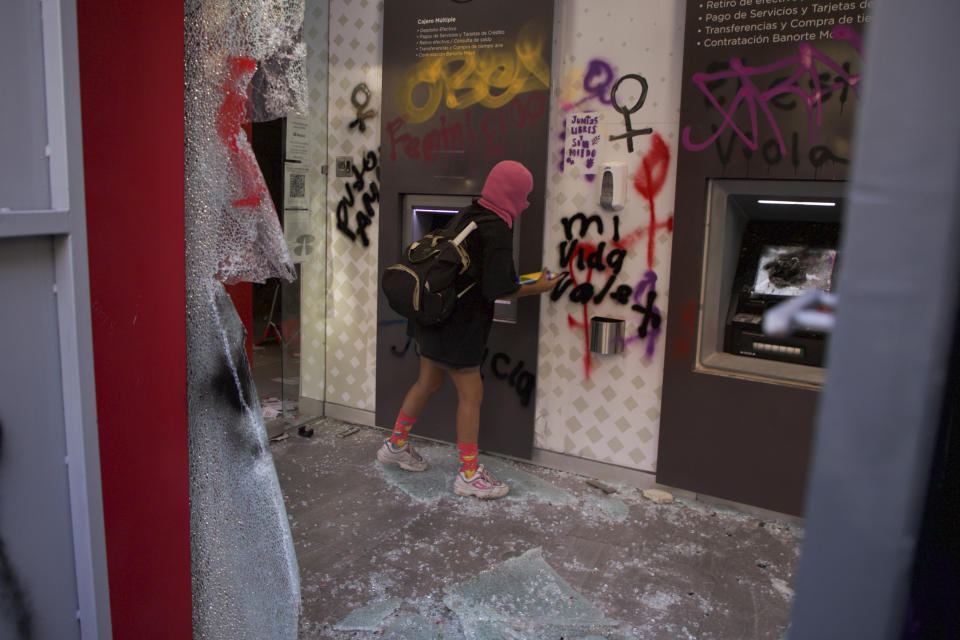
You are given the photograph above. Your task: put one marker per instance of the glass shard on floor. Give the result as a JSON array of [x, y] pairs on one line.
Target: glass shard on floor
[[524, 599], [437, 481], [370, 617], [413, 626], [606, 507]]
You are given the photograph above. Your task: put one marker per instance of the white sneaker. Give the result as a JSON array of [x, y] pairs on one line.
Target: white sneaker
[[481, 484], [406, 456]]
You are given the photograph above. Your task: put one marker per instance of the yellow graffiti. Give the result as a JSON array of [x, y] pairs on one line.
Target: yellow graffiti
[[490, 77]]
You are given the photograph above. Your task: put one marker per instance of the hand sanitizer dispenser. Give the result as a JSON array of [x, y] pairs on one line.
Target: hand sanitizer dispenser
[[613, 185]]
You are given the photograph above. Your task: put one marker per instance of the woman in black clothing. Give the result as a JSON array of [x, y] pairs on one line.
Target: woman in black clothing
[[456, 346]]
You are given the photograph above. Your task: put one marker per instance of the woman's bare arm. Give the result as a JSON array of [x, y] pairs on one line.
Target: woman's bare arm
[[541, 285]]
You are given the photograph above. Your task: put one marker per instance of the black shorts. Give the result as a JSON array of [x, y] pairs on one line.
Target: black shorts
[[444, 365]]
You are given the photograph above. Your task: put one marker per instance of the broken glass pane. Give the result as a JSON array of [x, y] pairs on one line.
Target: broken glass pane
[[437, 481], [523, 598], [413, 626], [370, 617]]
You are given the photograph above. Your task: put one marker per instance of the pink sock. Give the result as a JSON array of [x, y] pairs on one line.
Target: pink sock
[[401, 429], [468, 458]]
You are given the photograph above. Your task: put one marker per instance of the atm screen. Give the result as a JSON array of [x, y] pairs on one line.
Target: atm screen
[[779, 259], [792, 270], [423, 213]]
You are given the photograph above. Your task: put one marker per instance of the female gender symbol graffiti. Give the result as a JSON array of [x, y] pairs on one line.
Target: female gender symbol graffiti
[[598, 78], [631, 132], [361, 90]]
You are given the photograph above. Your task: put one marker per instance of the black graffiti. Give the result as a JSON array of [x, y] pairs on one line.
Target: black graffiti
[[231, 383], [585, 223], [516, 376], [522, 381], [403, 351], [716, 83], [365, 217], [651, 315], [771, 154], [361, 91], [228, 390], [585, 292], [13, 601], [631, 133], [583, 256], [821, 155], [587, 256]]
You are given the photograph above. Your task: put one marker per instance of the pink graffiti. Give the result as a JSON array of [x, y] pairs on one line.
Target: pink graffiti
[[803, 64]]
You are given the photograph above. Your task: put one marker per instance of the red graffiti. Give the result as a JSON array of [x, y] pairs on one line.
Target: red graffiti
[[232, 111], [587, 249], [652, 173], [491, 131], [586, 257], [649, 182], [230, 117], [683, 344], [585, 325]]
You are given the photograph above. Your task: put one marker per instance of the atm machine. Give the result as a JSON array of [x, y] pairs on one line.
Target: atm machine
[[510, 365], [766, 241], [435, 156], [779, 260]]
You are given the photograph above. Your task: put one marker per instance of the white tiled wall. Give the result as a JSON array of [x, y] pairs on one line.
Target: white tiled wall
[[348, 370], [613, 415], [313, 283]]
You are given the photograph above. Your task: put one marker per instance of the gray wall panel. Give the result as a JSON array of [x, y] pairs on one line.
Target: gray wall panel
[[35, 527], [24, 175]]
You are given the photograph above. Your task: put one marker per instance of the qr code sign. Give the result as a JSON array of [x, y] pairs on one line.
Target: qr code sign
[[298, 185]]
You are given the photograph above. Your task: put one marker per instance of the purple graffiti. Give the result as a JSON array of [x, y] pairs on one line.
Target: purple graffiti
[[652, 318], [596, 83], [563, 144], [802, 64]]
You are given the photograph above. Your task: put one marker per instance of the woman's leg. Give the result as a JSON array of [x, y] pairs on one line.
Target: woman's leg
[[469, 397], [395, 450], [473, 479], [428, 383]]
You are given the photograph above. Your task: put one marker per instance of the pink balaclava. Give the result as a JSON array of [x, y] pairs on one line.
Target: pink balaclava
[[506, 189]]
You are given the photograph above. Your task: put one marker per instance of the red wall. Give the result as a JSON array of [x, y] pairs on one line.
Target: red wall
[[242, 296], [131, 78]]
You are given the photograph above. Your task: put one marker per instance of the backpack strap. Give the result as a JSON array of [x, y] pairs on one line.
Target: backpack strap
[[454, 227]]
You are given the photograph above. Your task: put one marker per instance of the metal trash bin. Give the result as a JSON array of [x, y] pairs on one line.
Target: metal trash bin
[[606, 335]]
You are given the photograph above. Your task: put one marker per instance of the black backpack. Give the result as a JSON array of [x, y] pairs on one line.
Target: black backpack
[[422, 286]]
